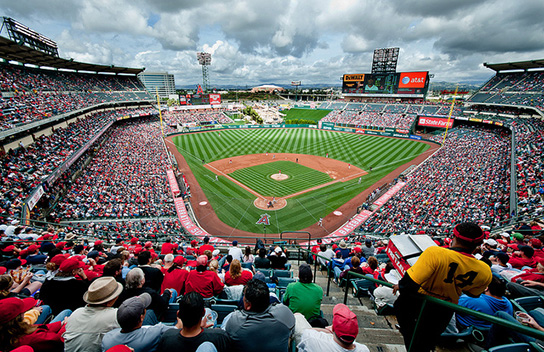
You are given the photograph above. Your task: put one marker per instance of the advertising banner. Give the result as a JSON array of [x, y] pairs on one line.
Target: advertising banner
[[418, 138], [188, 224], [354, 77], [390, 193], [172, 182], [412, 79], [215, 99], [435, 122], [35, 197]]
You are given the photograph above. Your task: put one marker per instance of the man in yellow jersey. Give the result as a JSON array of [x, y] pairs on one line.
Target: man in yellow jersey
[[445, 274]]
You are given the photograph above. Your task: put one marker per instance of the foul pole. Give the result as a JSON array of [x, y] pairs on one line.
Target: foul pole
[[451, 112]]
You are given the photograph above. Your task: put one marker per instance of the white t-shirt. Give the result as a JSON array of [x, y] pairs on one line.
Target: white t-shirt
[[317, 341], [236, 253]]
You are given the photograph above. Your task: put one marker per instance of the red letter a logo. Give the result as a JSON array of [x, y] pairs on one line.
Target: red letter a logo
[[264, 220]]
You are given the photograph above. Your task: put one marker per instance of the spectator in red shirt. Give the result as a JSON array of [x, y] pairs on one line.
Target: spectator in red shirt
[[168, 247], [537, 246], [15, 332], [175, 276], [523, 257], [203, 281], [237, 276], [206, 246]]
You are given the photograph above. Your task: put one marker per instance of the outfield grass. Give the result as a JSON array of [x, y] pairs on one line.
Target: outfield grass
[[234, 205], [305, 114], [300, 178]]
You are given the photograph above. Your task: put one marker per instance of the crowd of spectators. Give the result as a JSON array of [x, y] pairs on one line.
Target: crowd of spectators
[[26, 167], [465, 180], [370, 119], [530, 165], [194, 116], [126, 178], [514, 88], [29, 94], [96, 296]]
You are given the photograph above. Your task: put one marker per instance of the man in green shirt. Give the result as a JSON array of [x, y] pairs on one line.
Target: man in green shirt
[[304, 297]]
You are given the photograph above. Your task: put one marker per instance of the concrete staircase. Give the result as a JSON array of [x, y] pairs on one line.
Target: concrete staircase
[[377, 332]]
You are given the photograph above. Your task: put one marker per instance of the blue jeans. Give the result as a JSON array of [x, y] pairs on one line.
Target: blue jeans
[[60, 317], [46, 312], [150, 318], [206, 347], [174, 295], [500, 335]]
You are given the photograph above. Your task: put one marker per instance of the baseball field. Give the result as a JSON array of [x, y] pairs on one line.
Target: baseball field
[[320, 171]]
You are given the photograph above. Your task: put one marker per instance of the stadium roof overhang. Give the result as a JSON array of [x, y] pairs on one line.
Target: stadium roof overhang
[[521, 65], [12, 51]]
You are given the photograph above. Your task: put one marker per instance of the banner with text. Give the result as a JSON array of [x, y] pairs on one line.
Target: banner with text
[[435, 122], [188, 224], [173, 182]]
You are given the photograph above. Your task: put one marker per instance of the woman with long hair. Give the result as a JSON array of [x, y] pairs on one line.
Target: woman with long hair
[[15, 332], [237, 276], [248, 256]]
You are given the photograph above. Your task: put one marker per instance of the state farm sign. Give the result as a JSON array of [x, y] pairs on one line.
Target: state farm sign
[[435, 122]]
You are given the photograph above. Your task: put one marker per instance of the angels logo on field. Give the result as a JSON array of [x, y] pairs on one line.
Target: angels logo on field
[[264, 220]]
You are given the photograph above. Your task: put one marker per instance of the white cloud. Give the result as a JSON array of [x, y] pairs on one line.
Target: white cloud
[[276, 41]]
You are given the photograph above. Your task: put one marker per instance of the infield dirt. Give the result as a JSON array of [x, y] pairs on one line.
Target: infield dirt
[[209, 220]]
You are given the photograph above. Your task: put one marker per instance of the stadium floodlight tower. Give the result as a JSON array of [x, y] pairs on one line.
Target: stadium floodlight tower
[[205, 60]]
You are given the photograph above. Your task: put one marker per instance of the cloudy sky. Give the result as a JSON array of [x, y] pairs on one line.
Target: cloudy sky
[[277, 41]]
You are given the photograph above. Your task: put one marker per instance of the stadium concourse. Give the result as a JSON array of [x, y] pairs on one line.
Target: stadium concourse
[[109, 239]]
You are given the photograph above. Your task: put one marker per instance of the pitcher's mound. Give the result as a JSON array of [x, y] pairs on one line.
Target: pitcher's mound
[[279, 177], [264, 204]]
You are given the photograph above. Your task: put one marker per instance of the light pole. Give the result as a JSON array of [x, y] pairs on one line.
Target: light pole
[[296, 84], [205, 59]]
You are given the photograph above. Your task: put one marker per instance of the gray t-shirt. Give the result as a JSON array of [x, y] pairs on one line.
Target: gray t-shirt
[[141, 340], [268, 331]]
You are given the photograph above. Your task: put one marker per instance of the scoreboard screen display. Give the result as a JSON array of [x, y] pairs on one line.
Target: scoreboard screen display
[[388, 84]]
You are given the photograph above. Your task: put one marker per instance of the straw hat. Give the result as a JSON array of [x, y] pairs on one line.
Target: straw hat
[[102, 290]]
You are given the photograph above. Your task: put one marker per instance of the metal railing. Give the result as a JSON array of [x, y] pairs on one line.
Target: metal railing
[[352, 276]]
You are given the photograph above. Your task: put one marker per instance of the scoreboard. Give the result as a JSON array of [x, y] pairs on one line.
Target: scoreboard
[[403, 84], [200, 99]]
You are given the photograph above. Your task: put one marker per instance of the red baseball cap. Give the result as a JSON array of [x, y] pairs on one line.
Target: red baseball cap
[[99, 242], [60, 245], [180, 260], [120, 348], [9, 248], [148, 244], [344, 323], [12, 307], [3, 270], [134, 240], [535, 242], [194, 243], [71, 264], [32, 248], [58, 259]]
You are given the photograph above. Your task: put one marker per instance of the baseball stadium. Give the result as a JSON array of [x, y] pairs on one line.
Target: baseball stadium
[[373, 216]]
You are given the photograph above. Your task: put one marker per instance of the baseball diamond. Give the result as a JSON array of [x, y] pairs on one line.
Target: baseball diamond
[[231, 210]]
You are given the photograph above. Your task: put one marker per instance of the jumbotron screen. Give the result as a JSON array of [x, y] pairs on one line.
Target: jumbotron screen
[[403, 84]]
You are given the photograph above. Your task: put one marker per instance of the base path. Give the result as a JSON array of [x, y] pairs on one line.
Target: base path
[[209, 220]]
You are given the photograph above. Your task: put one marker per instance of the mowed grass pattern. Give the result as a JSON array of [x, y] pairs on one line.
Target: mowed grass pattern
[[300, 178], [305, 114], [234, 205]]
